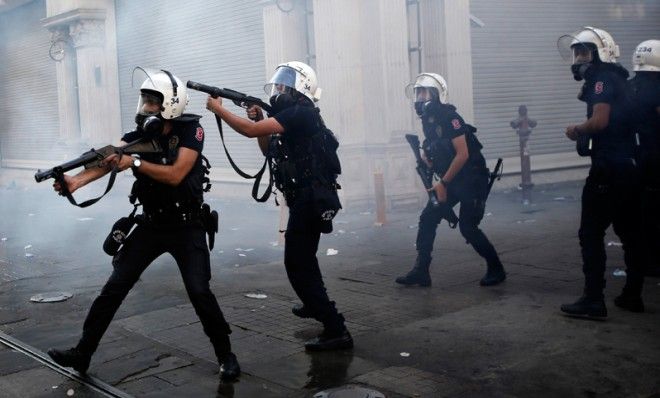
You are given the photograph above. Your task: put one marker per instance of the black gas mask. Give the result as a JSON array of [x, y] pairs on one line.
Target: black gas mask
[[281, 101], [149, 126], [421, 106], [580, 70]]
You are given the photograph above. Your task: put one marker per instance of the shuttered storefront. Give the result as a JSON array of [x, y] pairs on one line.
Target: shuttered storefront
[[515, 61], [218, 43], [29, 123]]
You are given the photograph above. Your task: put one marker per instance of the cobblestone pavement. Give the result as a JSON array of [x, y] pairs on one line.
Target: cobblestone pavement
[[455, 339]]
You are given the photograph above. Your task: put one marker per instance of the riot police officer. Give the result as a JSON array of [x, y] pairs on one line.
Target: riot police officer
[[645, 93], [169, 185], [611, 192], [289, 137], [454, 153]]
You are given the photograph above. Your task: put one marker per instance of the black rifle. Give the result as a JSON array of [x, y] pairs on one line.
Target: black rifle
[[238, 98], [426, 174], [93, 158], [496, 174], [244, 101]]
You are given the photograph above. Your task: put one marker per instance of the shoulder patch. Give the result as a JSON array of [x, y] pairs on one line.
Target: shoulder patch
[[199, 135], [456, 124], [598, 88]]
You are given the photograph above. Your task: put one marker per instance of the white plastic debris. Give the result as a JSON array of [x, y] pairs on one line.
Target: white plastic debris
[[489, 214], [27, 247], [221, 251], [234, 229], [341, 231], [331, 252], [4, 239], [236, 265], [613, 243], [248, 250], [51, 297], [70, 392], [54, 387], [29, 255], [405, 354], [238, 249], [85, 219], [258, 296], [619, 272], [242, 255], [274, 244]]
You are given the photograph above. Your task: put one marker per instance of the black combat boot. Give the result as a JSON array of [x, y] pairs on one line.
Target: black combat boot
[[494, 275], [329, 340], [229, 368], [301, 311], [586, 307], [418, 275], [71, 358]]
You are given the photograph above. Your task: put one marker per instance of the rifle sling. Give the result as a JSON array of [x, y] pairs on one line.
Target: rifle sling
[[257, 177], [69, 196]]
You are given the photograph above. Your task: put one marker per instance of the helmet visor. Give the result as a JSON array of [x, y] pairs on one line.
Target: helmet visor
[[283, 81], [575, 51], [151, 97]]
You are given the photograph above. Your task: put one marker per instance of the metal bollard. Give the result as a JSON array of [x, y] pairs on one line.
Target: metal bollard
[[523, 126], [379, 188]]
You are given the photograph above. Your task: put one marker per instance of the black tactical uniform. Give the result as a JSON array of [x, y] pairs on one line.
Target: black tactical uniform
[[298, 173], [645, 93], [610, 194], [172, 223], [441, 124]]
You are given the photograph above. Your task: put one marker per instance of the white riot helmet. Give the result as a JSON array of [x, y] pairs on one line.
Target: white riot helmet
[[580, 46], [425, 81], [647, 56], [296, 76], [161, 85]]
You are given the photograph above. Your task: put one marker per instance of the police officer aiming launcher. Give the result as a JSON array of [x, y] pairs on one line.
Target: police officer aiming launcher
[[169, 185], [453, 155], [302, 152]]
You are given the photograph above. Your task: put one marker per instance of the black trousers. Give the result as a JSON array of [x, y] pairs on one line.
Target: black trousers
[[187, 244], [651, 212], [471, 195], [611, 196], [302, 237]]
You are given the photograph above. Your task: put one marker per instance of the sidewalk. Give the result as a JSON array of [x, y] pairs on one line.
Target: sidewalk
[[455, 339]]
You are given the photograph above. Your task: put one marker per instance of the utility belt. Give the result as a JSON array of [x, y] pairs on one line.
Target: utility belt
[[162, 218]]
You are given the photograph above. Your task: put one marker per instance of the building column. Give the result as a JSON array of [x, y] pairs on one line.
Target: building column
[[447, 49], [91, 68]]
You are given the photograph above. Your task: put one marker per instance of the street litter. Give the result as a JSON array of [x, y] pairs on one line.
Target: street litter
[[234, 229], [29, 254], [248, 250], [85, 219], [489, 214], [28, 247], [405, 354], [619, 272], [331, 252], [613, 243], [70, 392], [242, 255], [51, 297], [274, 244], [259, 296], [341, 231], [4, 239]]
